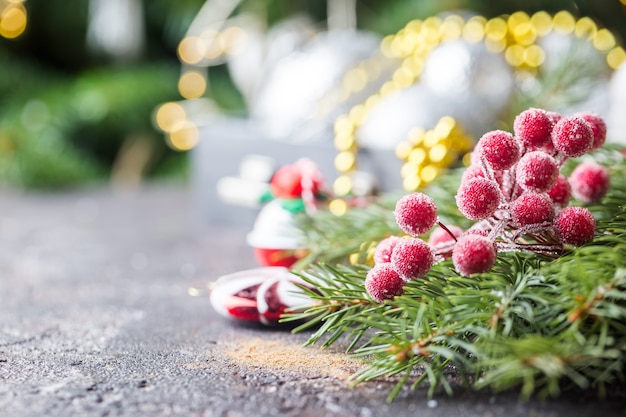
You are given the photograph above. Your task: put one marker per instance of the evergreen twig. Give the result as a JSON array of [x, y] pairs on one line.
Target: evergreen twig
[[533, 322]]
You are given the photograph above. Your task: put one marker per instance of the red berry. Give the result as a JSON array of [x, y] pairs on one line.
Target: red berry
[[473, 254], [533, 127], [472, 171], [478, 198], [384, 249], [537, 171], [415, 213], [499, 149], [383, 283], [412, 258], [554, 116], [572, 136], [561, 192], [575, 225], [590, 182], [440, 235], [598, 127], [532, 208]]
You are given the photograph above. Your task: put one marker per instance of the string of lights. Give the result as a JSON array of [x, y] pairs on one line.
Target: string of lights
[[425, 152]]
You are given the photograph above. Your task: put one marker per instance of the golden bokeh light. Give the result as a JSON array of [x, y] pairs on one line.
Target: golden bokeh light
[[585, 28], [338, 207], [616, 57], [342, 185], [542, 22], [211, 44], [192, 84], [563, 22], [233, 40], [168, 115], [13, 20], [345, 161], [184, 136], [190, 50], [604, 40], [474, 30]]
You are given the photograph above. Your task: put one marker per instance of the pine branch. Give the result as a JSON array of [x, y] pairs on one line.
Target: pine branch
[[532, 322]]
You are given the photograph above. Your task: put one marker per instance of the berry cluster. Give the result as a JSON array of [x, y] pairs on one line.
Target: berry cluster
[[516, 193]]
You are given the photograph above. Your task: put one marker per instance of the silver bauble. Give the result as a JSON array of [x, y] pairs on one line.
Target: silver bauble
[[616, 119], [459, 79], [287, 100]]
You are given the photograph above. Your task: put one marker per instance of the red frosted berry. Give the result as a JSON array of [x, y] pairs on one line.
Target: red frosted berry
[[572, 136], [554, 116], [412, 258], [561, 192], [478, 198], [440, 235], [598, 127], [384, 249], [537, 171], [575, 225], [590, 182], [383, 283], [472, 171], [473, 254], [532, 208], [415, 213], [499, 149], [533, 127]]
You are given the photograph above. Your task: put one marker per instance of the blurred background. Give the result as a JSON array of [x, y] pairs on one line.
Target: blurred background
[[90, 89]]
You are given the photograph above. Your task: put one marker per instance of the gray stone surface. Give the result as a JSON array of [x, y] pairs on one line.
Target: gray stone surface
[[96, 320]]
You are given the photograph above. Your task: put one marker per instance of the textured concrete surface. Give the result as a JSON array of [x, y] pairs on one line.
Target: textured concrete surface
[[96, 320]]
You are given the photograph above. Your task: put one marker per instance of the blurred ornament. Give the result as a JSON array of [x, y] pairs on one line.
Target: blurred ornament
[[275, 237], [459, 79], [616, 122], [116, 28], [287, 102], [259, 295], [259, 49]]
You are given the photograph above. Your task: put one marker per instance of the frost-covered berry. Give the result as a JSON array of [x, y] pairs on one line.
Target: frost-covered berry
[[473, 254], [384, 249], [561, 192], [572, 136], [440, 235], [472, 171], [499, 149], [532, 208], [575, 225], [533, 127], [537, 171], [383, 283], [598, 127], [415, 213], [412, 258], [555, 116], [478, 198], [590, 182]]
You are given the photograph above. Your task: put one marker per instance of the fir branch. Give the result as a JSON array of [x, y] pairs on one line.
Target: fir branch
[[532, 322]]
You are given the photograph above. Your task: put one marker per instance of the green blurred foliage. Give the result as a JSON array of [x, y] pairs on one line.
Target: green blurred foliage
[[65, 113]]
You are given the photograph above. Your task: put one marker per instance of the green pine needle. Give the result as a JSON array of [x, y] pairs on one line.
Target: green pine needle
[[532, 323]]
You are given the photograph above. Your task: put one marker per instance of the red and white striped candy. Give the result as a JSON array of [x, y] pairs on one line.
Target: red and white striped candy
[[259, 295]]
